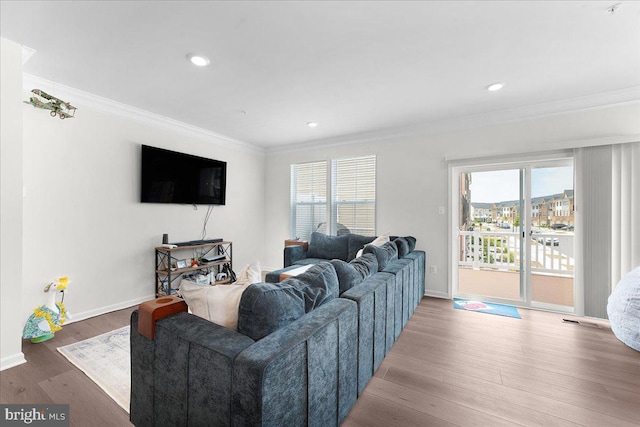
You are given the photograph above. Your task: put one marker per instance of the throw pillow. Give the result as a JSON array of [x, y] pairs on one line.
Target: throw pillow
[[218, 304], [355, 272], [384, 254], [412, 242], [348, 276], [378, 241], [366, 265], [318, 285], [251, 273], [267, 307], [328, 247], [356, 243], [403, 246]]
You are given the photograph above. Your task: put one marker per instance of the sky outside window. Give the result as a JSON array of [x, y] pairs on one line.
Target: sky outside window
[[501, 186]]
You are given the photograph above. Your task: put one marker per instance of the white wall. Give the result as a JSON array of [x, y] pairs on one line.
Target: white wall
[[83, 217], [412, 175], [10, 203]]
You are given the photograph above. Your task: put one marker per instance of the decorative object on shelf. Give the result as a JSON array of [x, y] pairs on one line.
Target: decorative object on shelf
[[197, 260], [56, 106], [47, 319]]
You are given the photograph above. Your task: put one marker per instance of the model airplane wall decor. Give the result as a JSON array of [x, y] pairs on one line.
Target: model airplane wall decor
[[56, 106]]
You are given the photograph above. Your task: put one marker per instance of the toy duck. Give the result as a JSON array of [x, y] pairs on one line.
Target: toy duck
[[48, 318]]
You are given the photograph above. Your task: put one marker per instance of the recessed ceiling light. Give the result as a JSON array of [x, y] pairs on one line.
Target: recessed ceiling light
[[199, 60], [495, 86], [312, 124]]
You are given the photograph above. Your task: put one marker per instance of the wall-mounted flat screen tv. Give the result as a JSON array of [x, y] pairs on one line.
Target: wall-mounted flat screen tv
[[172, 177]]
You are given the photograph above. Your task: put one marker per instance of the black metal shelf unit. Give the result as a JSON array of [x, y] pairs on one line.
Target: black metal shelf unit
[[174, 263]]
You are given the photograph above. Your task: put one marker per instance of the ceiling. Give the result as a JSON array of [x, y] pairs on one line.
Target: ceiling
[[354, 67]]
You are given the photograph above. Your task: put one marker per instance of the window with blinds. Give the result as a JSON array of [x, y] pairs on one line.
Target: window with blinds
[[308, 198], [349, 208], [354, 196]]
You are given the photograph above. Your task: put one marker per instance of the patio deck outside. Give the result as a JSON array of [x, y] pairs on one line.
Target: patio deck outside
[[489, 265]]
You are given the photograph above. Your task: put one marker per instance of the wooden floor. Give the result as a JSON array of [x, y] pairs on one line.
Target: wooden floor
[[454, 367], [448, 368], [48, 377]]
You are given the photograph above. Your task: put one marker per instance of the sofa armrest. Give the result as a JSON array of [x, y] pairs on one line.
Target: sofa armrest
[[184, 373], [152, 311], [294, 253], [302, 374]]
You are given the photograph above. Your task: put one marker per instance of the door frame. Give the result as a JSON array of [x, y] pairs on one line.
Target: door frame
[[525, 164]]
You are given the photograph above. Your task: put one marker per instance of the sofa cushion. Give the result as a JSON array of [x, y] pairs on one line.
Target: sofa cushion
[[319, 284], [267, 307], [357, 243], [412, 243], [384, 254], [309, 261], [366, 265], [353, 273], [328, 247], [403, 246], [378, 241], [348, 276]]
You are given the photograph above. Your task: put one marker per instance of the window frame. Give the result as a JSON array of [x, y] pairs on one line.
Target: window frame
[[332, 204]]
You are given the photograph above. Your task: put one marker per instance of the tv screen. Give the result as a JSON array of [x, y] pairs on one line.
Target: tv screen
[[172, 177]]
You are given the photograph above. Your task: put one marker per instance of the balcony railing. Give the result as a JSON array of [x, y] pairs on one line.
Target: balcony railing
[[551, 253]]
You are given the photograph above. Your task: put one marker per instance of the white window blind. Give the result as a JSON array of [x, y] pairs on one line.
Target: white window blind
[[345, 198], [308, 198], [354, 196]]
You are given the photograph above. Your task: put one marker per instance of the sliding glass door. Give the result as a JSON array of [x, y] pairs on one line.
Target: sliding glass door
[[489, 234], [514, 234], [552, 237]]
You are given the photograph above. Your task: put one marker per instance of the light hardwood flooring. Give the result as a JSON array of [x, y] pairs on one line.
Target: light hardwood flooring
[[449, 367], [454, 367], [48, 377]]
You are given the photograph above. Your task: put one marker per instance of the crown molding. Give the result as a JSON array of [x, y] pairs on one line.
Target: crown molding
[[27, 53], [85, 99], [493, 118]]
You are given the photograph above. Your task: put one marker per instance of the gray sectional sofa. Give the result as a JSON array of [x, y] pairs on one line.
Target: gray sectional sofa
[[304, 350]]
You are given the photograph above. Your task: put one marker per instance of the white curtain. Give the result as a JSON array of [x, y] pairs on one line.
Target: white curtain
[[608, 221], [625, 210]]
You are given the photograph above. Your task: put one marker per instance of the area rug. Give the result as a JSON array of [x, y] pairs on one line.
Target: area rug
[[105, 359], [486, 307]]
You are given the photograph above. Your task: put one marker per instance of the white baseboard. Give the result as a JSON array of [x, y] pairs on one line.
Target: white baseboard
[[11, 361], [18, 359], [436, 294], [108, 309]]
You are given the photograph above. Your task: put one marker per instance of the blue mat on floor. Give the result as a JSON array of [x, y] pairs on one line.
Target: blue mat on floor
[[486, 307]]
